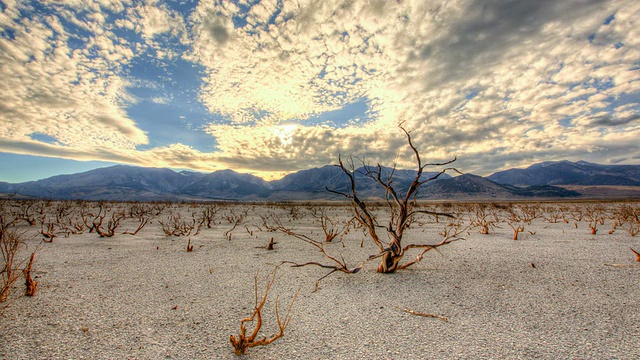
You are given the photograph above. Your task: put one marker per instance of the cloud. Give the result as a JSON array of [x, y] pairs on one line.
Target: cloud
[[154, 20], [72, 94], [496, 83]]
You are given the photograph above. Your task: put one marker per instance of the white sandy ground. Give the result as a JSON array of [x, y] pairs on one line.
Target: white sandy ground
[[114, 298]]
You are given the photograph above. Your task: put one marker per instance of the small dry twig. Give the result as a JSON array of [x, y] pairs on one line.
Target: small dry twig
[[412, 312], [627, 265]]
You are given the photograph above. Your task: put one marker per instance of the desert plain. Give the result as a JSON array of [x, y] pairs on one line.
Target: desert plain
[[560, 291]]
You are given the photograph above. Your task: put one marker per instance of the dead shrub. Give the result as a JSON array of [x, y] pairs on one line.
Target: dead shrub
[[243, 341], [11, 241]]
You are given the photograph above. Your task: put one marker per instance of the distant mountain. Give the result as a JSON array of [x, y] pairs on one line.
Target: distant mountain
[[128, 183], [122, 182], [570, 173], [226, 184], [312, 180], [113, 183], [469, 186], [313, 183]]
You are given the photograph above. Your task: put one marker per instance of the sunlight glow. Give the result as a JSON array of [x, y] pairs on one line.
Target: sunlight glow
[[285, 133]]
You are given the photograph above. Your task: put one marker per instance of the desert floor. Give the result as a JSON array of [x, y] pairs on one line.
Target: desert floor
[[558, 292]]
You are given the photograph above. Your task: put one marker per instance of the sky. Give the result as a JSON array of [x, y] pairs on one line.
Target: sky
[[273, 87]]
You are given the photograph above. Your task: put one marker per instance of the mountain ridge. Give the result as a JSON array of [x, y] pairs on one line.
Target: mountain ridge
[[130, 183], [569, 173]]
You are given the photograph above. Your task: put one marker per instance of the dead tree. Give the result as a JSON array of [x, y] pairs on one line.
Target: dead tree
[[401, 208]]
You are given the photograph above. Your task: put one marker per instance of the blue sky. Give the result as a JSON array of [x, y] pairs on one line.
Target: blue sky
[[272, 87]]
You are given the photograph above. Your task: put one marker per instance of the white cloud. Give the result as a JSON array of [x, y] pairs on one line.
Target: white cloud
[[416, 61], [496, 83], [72, 95], [156, 19]]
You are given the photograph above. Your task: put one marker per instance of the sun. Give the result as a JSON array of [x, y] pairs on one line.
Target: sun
[[285, 133]]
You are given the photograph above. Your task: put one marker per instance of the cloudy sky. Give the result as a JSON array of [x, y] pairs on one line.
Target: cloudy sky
[[271, 87]]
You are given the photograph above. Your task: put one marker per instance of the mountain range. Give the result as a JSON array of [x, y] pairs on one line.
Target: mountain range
[[570, 173], [128, 183]]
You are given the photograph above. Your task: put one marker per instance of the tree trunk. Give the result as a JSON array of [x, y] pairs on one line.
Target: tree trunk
[[390, 260]]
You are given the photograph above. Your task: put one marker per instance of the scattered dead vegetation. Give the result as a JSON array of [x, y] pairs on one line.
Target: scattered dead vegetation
[[324, 227]]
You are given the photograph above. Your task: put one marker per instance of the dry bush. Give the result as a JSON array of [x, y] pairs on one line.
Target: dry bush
[[112, 225], [515, 221], [552, 214], [295, 213], [484, 219], [50, 233], [208, 215], [330, 227], [576, 214], [11, 241], [74, 225], [633, 228], [175, 225], [86, 215], [142, 222], [626, 216], [339, 264], [235, 220], [143, 213], [62, 210], [530, 212], [27, 212], [594, 215], [243, 341]]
